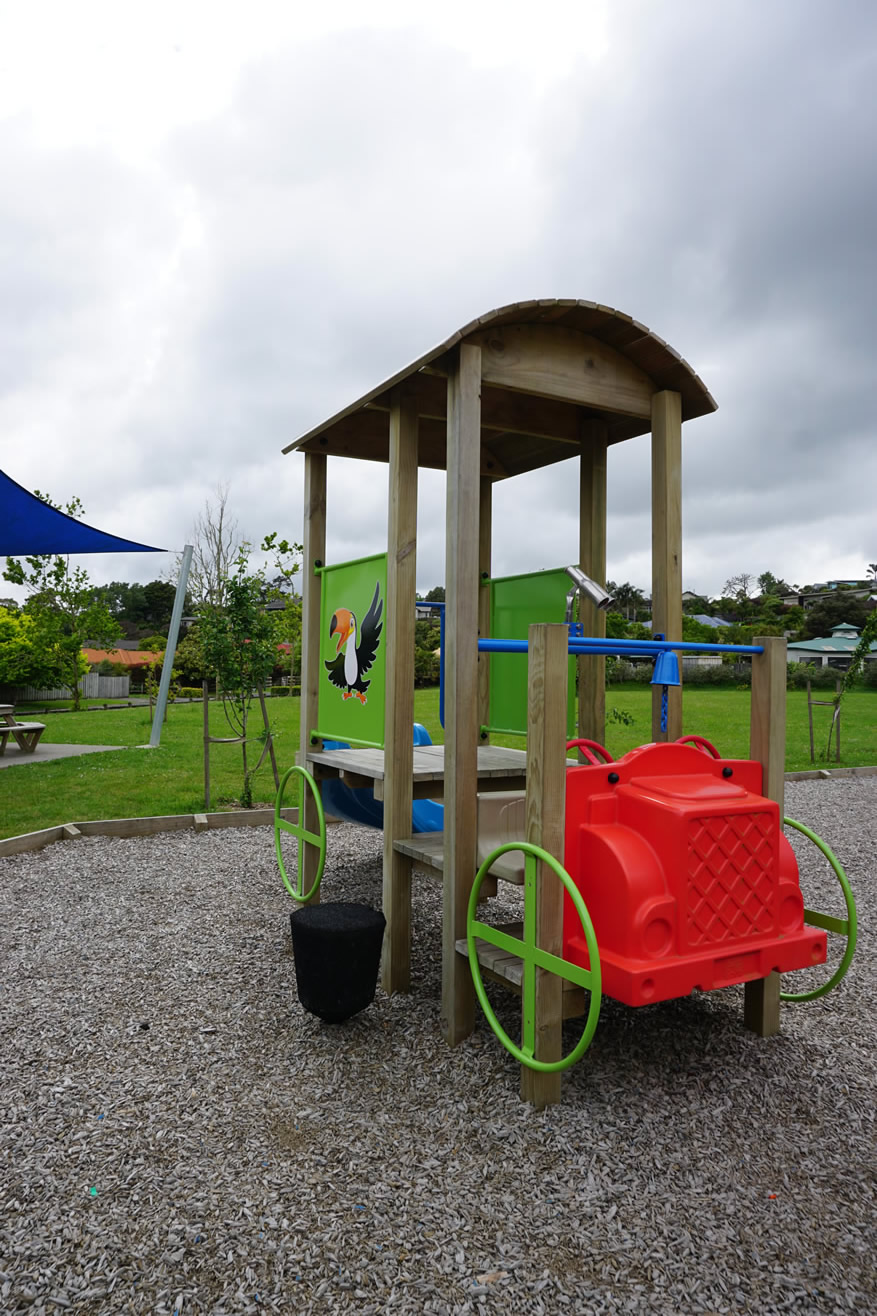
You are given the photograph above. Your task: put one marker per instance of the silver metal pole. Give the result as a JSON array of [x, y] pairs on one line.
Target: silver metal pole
[[171, 649]]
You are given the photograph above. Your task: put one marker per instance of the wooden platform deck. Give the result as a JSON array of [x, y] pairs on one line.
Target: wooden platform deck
[[498, 769]]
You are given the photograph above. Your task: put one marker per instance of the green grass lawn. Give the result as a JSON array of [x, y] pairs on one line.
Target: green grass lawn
[[170, 779]]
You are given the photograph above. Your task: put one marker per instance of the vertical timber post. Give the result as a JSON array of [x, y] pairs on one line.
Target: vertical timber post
[[767, 744], [591, 668], [314, 551], [546, 790], [398, 728], [667, 544], [461, 684]]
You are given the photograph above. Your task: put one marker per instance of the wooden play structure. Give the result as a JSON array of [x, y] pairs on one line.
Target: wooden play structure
[[520, 388]]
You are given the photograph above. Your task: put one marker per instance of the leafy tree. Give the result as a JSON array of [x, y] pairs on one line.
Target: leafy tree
[[700, 603], [768, 583], [240, 647], [435, 595], [628, 597], [834, 611], [189, 659], [24, 658], [281, 589], [872, 571], [64, 607]]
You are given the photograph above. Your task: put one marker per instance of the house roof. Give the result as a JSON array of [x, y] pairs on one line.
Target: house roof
[[838, 644], [609, 364], [124, 657]]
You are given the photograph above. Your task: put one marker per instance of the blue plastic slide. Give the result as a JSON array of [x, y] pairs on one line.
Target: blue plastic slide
[[360, 806]]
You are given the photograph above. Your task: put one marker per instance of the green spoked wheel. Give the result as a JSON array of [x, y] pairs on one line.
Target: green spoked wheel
[[534, 958], [304, 781], [843, 927]]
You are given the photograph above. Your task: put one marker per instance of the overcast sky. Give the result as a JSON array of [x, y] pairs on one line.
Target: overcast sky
[[220, 224]]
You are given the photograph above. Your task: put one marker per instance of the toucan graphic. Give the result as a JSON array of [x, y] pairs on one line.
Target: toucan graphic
[[356, 648]]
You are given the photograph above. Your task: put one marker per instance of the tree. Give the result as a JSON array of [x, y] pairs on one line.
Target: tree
[[739, 587], [240, 647], [64, 607], [628, 597], [216, 543], [820, 619], [24, 658], [768, 583], [281, 590], [872, 571]]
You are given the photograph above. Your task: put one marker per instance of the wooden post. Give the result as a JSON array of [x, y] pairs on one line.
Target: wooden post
[[667, 544], [205, 692], [314, 552], [592, 559], [461, 684], [398, 728], [546, 789], [485, 531], [767, 744]]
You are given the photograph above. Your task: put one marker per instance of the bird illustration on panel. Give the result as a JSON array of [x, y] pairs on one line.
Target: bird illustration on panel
[[356, 648]]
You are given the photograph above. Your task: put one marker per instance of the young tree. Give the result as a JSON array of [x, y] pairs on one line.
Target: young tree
[[64, 607], [240, 647]]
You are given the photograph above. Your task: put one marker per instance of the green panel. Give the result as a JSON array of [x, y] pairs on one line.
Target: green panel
[[353, 712], [516, 602]]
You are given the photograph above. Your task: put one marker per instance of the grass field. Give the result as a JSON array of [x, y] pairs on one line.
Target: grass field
[[170, 779]]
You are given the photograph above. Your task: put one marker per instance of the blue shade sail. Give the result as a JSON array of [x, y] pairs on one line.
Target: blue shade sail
[[29, 527]]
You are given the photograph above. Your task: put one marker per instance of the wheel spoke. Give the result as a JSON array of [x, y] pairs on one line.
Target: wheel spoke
[[534, 958]]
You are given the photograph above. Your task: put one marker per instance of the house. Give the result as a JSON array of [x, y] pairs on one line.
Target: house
[[835, 650]]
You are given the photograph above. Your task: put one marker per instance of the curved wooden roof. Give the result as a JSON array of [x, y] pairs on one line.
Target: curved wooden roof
[[547, 366]]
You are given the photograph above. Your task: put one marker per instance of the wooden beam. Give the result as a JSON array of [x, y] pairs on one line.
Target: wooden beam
[[555, 362], [461, 685], [546, 789], [398, 738], [667, 544], [485, 530], [314, 553], [767, 744], [592, 560]]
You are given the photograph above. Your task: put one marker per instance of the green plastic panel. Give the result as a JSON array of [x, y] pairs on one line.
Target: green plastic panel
[[516, 602], [356, 716]]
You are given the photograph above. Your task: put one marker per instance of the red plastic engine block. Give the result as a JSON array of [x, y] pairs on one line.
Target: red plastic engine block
[[686, 873]]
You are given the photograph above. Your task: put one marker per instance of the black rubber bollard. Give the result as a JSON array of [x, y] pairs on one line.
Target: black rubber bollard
[[337, 950]]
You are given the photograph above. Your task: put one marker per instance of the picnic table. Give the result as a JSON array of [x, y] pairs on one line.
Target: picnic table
[[25, 734]]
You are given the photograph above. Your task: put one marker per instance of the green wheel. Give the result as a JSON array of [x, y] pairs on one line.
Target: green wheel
[[300, 832], [844, 927], [534, 958]]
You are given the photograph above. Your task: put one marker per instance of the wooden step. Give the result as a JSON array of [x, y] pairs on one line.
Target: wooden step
[[427, 849], [501, 966]]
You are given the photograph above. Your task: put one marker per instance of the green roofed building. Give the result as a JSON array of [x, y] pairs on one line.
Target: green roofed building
[[835, 650]]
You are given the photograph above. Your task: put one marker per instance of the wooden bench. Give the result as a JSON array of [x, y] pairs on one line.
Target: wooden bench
[[25, 734]]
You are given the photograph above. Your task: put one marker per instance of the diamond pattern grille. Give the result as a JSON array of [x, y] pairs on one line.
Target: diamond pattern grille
[[730, 877]]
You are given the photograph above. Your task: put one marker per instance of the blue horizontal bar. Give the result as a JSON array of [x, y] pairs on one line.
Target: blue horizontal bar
[[635, 648], [608, 647]]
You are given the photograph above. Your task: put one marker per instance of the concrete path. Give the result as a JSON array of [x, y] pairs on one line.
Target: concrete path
[[50, 753]]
